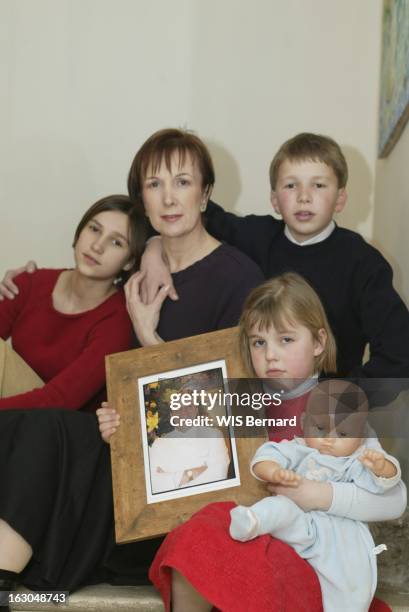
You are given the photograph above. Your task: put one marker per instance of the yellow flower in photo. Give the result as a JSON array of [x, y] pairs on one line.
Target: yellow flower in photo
[[152, 404], [152, 421], [153, 385]]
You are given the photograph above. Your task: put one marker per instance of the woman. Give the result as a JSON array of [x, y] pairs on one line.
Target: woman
[[62, 323], [171, 178]]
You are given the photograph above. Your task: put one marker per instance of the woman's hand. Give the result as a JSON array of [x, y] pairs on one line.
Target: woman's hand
[[144, 317], [308, 495], [157, 272], [8, 289], [108, 421]]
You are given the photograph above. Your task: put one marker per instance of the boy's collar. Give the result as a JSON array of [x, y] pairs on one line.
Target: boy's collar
[[318, 238]]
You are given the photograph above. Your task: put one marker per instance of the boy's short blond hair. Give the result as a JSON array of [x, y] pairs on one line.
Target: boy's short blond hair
[[286, 299], [313, 147]]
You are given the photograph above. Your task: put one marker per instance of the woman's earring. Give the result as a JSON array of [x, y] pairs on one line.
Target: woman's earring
[[203, 207]]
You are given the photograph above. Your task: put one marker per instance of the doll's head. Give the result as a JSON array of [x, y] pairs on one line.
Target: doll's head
[[335, 418]]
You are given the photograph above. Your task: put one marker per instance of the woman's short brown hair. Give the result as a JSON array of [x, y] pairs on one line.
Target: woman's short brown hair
[[313, 147], [160, 147], [137, 227], [285, 299]]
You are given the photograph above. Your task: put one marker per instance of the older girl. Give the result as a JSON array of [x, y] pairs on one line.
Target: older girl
[[62, 323]]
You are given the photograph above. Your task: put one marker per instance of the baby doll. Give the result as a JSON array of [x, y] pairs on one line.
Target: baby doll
[[333, 449]]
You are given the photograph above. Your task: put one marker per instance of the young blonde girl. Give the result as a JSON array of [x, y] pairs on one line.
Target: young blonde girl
[[286, 341]]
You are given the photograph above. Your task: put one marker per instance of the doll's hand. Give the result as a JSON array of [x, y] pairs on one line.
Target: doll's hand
[[108, 421], [144, 317], [377, 463], [8, 289], [373, 460], [286, 478], [157, 272]]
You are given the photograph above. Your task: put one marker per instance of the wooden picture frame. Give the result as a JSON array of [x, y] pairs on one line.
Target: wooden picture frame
[[136, 518]]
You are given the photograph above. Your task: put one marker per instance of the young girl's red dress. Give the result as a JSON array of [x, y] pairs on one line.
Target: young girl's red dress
[[262, 575]]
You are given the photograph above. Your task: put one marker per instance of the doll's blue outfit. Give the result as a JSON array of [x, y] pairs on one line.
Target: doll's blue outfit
[[341, 550]]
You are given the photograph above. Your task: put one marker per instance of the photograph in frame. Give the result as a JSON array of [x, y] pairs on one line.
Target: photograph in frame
[[139, 382], [186, 451]]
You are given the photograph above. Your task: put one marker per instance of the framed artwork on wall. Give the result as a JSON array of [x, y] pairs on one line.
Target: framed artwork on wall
[[394, 92]]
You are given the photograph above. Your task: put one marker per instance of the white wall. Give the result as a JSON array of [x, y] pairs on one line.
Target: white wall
[[391, 225], [84, 82], [391, 216]]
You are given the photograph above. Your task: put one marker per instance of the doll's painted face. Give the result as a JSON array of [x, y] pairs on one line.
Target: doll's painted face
[[331, 439], [335, 418]]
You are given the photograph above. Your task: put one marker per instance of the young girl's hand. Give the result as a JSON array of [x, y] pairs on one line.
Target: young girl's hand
[[309, 495], [287, 478], [108, 421]]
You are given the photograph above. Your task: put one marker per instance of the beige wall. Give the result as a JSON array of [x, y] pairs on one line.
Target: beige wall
[[86, 81], [391, 228], [391, 216]]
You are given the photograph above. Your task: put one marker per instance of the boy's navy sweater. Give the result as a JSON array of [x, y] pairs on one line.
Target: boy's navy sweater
[[352, 279]]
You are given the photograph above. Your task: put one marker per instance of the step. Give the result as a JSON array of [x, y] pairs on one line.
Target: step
[[393, 564], [393, 581], [399, 602], [107, 598], [99, 598]]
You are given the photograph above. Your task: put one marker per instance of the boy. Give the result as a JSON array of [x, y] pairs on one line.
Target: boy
[[308, 176]]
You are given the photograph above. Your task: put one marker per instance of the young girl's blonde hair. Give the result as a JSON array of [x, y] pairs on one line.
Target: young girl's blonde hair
[[283, 300]]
